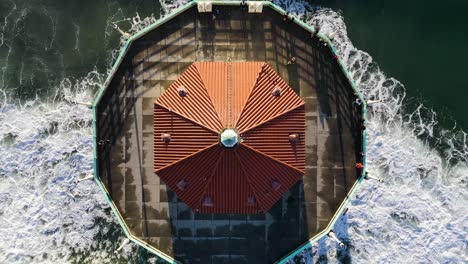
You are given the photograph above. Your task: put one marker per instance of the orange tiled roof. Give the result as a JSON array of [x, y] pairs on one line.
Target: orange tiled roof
[[209, 97]]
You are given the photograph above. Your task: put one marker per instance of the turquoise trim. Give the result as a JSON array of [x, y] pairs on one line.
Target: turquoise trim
[[129, 42], [344, 204], [96, 101], [112, 204]]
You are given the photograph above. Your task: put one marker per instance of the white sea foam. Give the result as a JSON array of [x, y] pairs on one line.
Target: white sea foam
[[417, 215], [45, 147], [169, 5]]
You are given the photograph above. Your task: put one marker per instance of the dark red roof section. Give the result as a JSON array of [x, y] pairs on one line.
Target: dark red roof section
[[250, 177]]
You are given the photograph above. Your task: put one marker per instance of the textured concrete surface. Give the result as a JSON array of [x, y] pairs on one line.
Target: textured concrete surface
[[152, 211]]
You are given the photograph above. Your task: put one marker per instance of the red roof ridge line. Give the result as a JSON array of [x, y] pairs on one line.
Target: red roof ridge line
[[248, 182], [186, 117], [273, 118], [195, 64], [273, 158], [228, 93], [262, 69], [208, 182], [186, 157]]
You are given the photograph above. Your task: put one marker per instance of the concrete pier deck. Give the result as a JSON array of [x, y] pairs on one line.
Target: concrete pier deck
[[125, 127]]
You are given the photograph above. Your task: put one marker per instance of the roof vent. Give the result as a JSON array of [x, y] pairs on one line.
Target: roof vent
[[207, 201], [275, 185], [276, 91], [182, 185], [250, 200], [165, 137], [293, 138], [182, 91]]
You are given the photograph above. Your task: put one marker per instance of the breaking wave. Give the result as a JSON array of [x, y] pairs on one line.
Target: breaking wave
[[418, 213], [46, 147]]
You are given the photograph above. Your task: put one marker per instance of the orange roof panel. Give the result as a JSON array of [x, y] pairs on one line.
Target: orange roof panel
[[196, 105], [261, 105], [272, 138], [229, 85], [244, 77], [214, 76], [186, 137]]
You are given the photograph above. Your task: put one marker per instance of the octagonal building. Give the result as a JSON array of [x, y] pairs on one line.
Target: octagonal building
[[228, 133]]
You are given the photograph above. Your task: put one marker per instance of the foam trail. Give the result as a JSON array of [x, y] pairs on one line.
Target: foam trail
[[169, 5], [44, 148], [419, 213]]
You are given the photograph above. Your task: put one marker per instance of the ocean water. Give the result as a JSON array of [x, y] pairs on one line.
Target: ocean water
[[418, 214], [420, 43]]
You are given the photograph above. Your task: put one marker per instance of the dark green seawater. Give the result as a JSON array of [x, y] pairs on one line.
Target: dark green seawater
[[42, 42], [420, 43]]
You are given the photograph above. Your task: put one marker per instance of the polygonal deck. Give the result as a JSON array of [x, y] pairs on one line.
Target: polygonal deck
[[125, 118]]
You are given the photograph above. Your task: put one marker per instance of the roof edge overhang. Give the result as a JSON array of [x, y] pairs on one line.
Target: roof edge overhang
[[124, 50]]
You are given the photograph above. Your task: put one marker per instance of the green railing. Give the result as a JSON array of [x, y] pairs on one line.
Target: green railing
[[158, 23], [97, 99], [353, 189]]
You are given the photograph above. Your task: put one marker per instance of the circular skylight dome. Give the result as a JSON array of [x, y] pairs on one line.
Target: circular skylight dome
[[229, 138]]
